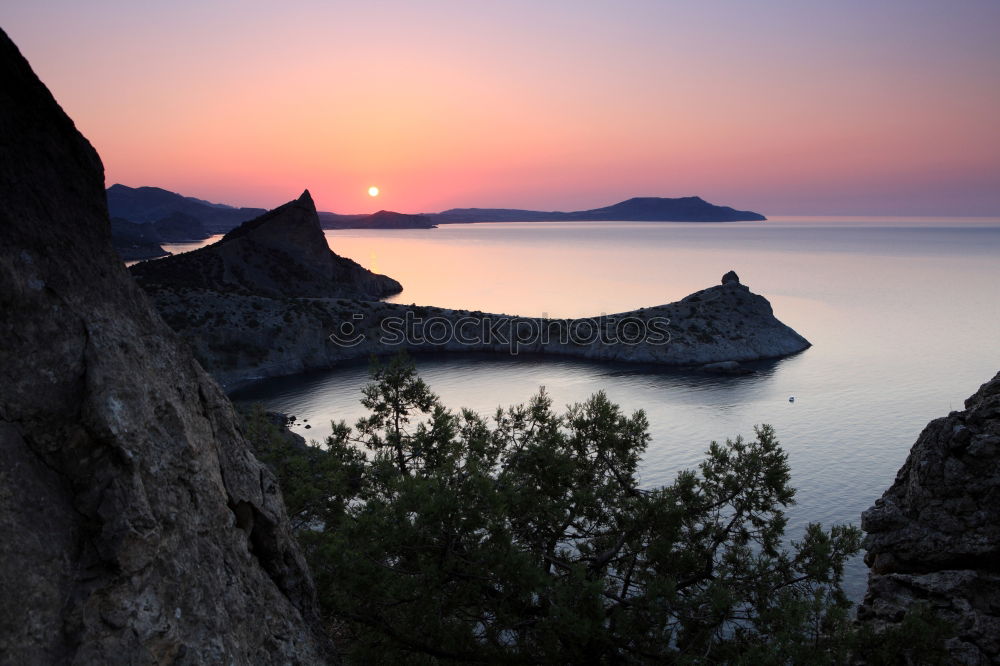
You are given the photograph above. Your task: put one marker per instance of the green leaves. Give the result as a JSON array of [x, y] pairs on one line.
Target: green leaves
[[436, 535]]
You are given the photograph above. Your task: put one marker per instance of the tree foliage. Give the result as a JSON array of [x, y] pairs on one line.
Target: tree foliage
[[437, 535]]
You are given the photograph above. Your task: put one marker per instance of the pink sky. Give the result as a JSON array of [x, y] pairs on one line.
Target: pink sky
[[808, 108]]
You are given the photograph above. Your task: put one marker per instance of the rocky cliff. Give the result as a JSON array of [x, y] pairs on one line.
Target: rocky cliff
[[282, 252], [934, 536], [137, 527]]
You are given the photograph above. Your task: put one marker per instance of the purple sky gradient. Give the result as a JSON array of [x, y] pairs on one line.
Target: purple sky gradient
[[783, 107]]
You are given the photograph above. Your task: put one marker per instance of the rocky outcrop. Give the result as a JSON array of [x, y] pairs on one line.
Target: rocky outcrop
[[239, 337], [934, 536], [282, 252], [137, 527]]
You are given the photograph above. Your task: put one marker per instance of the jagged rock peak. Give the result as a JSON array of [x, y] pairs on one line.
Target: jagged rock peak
[[282, 253], [122, 464], [731, 276], [934, 536]]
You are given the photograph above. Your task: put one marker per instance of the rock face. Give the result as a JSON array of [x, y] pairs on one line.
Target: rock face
[[934, 536], [731, 276], [137, 527], [239, 337], [282, 252]]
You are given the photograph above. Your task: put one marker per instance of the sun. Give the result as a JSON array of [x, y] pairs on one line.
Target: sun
[[373, 191]]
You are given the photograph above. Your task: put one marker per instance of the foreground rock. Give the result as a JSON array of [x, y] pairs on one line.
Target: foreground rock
[[934, 536], [137, 527], [240, 337], [281, 252]]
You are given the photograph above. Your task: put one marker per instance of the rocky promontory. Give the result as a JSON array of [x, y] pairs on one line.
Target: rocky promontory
[[137, 525], [282, 252], [934, 536], [240, 337]]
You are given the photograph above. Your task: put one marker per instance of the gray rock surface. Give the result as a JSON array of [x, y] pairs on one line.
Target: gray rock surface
[[284, 251], [136, 526], [934, 536]]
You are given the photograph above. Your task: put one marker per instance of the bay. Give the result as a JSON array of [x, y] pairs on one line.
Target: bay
[[903, 314]]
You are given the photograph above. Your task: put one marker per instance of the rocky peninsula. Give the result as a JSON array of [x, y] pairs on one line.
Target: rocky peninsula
[[249, 310]]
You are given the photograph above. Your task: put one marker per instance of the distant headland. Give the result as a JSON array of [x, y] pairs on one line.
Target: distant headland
[[638, 209]]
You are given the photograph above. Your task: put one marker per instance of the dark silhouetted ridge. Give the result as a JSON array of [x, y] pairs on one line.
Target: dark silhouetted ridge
[[282, 253], [149, 204], [638, 209]]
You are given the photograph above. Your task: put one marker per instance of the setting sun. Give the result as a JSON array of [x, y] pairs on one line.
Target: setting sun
[[373, 191]]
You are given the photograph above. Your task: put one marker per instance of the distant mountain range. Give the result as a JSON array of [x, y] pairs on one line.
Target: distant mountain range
[[186, 218], [150, 204], [144, 205], [638, 209]]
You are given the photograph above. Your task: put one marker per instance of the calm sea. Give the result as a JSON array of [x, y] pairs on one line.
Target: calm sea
[[903, 313]]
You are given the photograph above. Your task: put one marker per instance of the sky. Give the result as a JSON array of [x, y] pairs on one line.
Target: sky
[[874, 107]]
